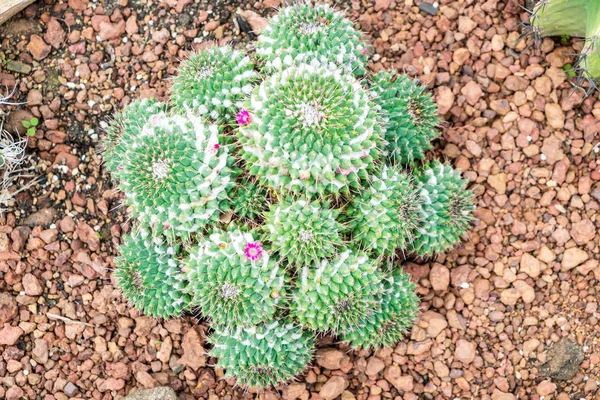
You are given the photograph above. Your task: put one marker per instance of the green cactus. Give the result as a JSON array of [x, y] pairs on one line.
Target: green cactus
[[176, 175], [264, 355], [383, 218], [312, 129], [303, 33], [410, 114], [303, 232], [124, 127], [267, 201], [231, 285], [578, 18], [334, 295], [446, 209], [213, 83], [249, 200], [150, 276], [396, 313]]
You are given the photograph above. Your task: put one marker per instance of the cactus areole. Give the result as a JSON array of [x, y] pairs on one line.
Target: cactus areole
[[276, 193]]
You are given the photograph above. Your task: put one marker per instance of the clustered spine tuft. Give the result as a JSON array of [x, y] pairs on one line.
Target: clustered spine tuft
[[278, 208]]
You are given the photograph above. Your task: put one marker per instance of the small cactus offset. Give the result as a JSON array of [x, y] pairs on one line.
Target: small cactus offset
[[303, 33], [151, 277], [276, 192], [445, 210], [394, 315], [335, 294], [577, 18], [264, 355]]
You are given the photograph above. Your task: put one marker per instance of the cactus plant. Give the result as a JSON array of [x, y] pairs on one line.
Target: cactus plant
[[232, 285], [150, 276], [124, 128], [335, 294], [303, 232], [410, 115], [264, 355], [249, 200], [176, 174], [445, 211], [290, 199], [312, 129], [395, 314], [384, 217], [303, 33], [213, 83], [577, 18]]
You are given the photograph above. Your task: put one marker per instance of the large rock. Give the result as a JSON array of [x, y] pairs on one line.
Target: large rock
[[159, 393], [563, 360], [194, 355], [572, 257], [42, 217], [9, 335], [333, 388], [329, 358], [8, 307]]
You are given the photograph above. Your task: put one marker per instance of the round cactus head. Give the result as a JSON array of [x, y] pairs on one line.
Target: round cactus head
[[262, 356], [150, 277], [396, 312], [233, 279], [303, 232], [446, 211], [383, 218], [303, 32], [335, 295], [410, 114], [213, 83], [175, 174], [124, 127], [313, 130]]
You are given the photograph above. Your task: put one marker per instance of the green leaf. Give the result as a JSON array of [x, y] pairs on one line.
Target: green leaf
[[34, 121], [31, 132], [26, 124]]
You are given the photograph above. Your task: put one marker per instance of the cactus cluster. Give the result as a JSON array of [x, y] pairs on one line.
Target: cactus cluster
[[576, 18], [279, 209]]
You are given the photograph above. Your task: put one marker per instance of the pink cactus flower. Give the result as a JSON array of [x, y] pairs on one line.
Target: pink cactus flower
[[154, 119], [347, 171], [217, 146], [243, 117], [253, 251], [363, 51]]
